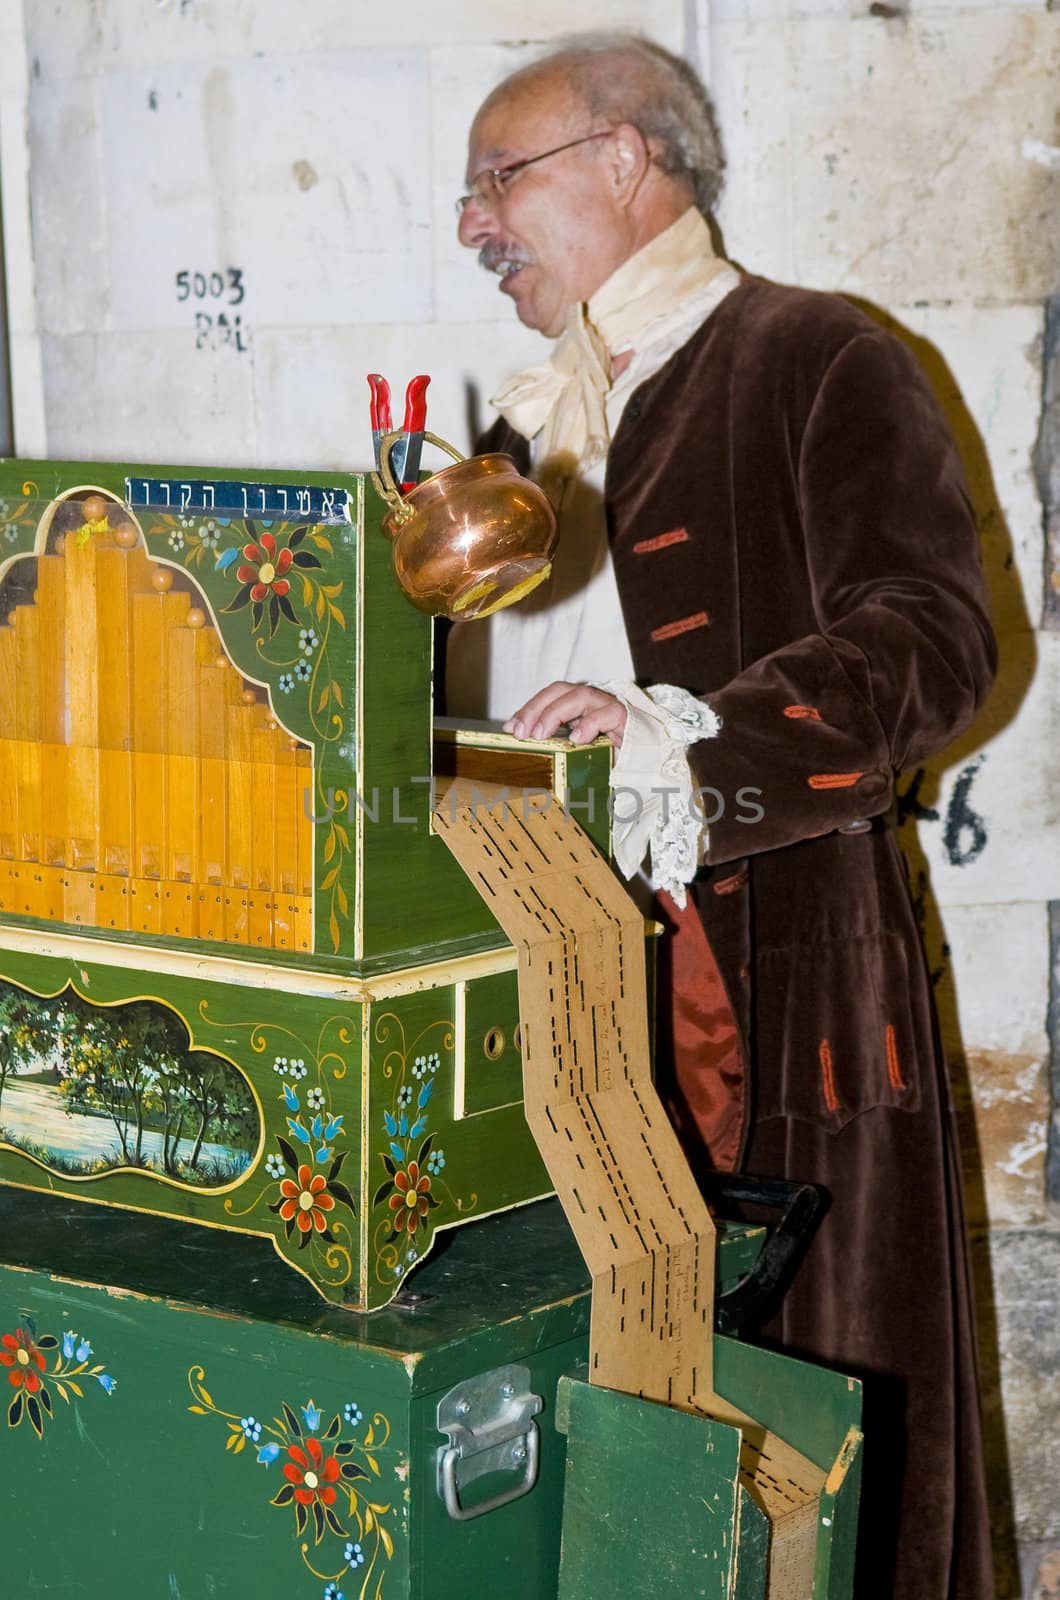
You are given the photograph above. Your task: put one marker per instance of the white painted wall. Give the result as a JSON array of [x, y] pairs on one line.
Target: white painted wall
[[316, 150]]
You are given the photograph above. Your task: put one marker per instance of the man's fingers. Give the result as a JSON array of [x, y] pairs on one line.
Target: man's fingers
[[588, 712], [566, 708], [529, 715], [608, 719], [547, 710]]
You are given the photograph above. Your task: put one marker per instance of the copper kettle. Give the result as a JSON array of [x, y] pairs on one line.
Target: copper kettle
[[473, 538]]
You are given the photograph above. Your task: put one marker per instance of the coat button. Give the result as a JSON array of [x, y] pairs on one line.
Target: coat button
[[861, 825], [872, 785]]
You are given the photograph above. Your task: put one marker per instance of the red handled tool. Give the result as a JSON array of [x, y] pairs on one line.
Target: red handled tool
[[379, 411], [405, 452], [415, 423]]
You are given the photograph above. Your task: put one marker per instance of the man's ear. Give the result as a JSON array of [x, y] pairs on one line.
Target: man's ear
[[630, 160]]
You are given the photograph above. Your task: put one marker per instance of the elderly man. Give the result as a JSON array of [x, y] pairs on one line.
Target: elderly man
[[767, 587]]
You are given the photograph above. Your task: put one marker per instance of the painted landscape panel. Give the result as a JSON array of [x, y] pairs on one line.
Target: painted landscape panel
[[89, 1089]]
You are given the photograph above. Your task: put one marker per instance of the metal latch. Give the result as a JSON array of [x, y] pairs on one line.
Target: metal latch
[[490, 1423]]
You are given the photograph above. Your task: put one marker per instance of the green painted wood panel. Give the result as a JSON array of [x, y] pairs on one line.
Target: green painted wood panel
[[415, 900], [352, 1148], [840, 1507], [811, 1407], [819, 1412], [650, 1506], [752, 1560], [608, 1532], [493, 1063]]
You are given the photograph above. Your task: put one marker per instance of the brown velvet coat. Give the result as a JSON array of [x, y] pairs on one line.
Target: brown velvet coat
[[793, 541]]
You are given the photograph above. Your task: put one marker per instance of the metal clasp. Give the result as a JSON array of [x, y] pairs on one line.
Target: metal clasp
[[490, 1423]]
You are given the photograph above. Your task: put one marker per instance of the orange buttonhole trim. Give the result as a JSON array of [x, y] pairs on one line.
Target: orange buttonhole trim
[[685, 625], [831, 1099], [730, 885], [894, 1070], [661, 541], [809, 713], [833, 780]]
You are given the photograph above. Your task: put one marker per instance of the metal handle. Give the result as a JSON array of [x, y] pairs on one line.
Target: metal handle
[[801, 1206], [489, 1418], [383, 480], [449, 1488]]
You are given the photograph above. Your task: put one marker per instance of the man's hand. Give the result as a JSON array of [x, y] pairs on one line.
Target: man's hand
[[587, 712]]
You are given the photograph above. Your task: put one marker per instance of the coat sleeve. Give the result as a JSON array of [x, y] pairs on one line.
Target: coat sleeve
[[904, 653]]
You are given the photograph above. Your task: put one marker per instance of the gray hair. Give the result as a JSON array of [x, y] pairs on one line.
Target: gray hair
[[624, 77]]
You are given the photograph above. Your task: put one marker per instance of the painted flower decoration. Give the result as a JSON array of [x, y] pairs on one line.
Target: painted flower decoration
[[265, 572], [409, 1201], [20, 1354], [313, 1476], [306, 1200], [332, 1481], [274, 1166], [286, 683], [264, 567], [23, 1353], [435, 1162], [295, 1068], [353, 1413]]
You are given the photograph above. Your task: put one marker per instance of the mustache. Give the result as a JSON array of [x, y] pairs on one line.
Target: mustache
[[492, 253]]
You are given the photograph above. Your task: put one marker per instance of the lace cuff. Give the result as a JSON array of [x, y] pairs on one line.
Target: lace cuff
[[653, 806]]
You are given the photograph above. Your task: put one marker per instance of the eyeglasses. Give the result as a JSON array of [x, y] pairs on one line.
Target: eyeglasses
[[489, 186]]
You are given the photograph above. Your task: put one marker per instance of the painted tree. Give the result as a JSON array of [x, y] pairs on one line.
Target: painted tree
[[22, 1040], [107, 1067], [133, 1063]]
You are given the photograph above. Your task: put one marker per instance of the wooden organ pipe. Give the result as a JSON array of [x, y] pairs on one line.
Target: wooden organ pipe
[[148, 789]]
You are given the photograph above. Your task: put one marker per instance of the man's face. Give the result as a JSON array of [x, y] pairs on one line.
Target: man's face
[[556, 233]]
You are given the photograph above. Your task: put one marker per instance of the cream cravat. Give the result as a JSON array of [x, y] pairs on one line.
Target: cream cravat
[[563, 398]]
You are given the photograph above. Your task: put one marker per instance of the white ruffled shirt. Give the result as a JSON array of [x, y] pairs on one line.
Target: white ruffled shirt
[[572, 628]]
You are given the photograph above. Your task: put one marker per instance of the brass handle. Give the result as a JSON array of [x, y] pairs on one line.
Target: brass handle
[[383, 480]]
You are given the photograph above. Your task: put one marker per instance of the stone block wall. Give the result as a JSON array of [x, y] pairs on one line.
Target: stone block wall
[[220, 214]]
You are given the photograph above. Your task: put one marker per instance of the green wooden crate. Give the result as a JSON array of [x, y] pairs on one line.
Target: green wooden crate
[[179, 1358]]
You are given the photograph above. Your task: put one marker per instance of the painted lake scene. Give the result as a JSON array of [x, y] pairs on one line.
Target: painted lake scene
[[89, 1089]]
